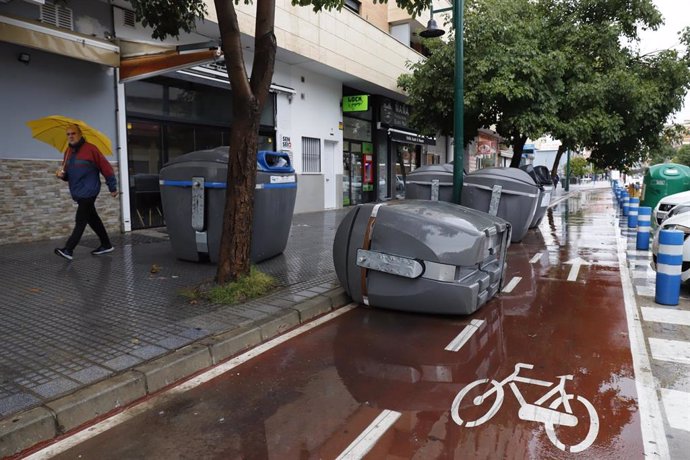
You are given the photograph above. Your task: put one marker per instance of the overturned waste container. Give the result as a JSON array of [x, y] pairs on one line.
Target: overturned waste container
[[193, 188], [509, 193], [431, 182], [421, 256], [542, 177]]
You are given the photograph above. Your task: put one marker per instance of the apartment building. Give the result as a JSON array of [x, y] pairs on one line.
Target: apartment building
[[334, 107]]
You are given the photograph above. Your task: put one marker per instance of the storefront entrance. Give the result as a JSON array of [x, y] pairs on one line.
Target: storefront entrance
[[358, 172]]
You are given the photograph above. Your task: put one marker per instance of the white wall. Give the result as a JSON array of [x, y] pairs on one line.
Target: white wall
[[313, 111]]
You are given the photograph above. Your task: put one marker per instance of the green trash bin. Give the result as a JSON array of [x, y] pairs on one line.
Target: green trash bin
[[662, 180]]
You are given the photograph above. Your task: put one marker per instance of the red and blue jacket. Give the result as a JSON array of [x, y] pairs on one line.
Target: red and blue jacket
[[83, 164]]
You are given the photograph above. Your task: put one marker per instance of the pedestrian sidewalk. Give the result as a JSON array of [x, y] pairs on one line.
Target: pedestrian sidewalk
[[79, 339]]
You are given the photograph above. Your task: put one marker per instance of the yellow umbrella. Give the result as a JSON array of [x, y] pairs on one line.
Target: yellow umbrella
[[51, 130]]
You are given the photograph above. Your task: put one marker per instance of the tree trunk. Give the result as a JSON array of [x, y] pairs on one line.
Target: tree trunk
[[561, 149], [248, 99], [518, 144]]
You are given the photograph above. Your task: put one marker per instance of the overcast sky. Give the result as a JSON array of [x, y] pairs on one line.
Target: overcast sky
[[676, 15]]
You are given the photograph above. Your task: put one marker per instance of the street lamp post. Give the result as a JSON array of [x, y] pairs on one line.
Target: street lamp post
[[459, 105]]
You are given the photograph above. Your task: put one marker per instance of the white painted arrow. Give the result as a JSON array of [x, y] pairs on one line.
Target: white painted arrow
[[575, 269]]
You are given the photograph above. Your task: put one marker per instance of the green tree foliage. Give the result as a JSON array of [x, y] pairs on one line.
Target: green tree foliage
[[683, 155], [579, 166], [249, 94], [556, 67]]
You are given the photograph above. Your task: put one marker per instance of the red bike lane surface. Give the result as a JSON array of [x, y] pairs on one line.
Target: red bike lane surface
[[313, 396]]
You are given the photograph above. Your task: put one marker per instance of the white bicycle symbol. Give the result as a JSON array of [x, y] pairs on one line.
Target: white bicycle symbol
[[550, 416]]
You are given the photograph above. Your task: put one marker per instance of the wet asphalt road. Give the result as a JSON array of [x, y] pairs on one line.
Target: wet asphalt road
[[314, 395]]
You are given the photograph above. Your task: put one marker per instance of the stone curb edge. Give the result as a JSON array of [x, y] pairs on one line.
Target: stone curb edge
[[43, 423]]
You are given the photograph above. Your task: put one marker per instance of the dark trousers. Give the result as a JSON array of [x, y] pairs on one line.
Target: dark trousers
[[86, 214]]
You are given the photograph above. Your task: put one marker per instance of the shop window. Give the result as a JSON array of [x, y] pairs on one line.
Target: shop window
[[311, 155]]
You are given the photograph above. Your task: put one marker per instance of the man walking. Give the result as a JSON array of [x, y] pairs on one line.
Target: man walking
[[81, 168]]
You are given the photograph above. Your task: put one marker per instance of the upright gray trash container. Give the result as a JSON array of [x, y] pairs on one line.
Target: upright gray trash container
[[421, 256], [193, 188], [431, 182], [542, 177], [509, 193]]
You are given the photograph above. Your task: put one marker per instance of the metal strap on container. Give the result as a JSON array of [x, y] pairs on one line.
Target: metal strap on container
[[507, 191], [366, 244]]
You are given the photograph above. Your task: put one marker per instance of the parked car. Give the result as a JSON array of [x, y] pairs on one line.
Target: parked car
[[666, 204], [678, 221]]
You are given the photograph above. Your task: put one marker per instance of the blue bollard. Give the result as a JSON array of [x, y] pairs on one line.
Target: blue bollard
[[644, 226], [626, 204], [669, 263], [632, 212]]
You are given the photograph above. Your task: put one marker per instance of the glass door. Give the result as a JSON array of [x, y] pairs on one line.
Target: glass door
[[352, 173], [144, 156]]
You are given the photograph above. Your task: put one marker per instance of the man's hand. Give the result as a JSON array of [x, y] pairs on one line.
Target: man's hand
[[114, 194]]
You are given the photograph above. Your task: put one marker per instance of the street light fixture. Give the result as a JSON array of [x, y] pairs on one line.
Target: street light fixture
[[432, 30]]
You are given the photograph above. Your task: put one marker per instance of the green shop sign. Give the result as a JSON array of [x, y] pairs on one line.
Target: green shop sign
[[356, 103]]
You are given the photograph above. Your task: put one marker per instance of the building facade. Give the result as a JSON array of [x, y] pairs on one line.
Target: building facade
[[90, 60]]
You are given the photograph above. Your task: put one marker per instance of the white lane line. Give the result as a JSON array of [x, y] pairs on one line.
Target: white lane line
[[666, 315], [465, 335], [514, 282], [674, 351], [370, 436], [128, 414], [676, 405], [651, 421], [536, 258]]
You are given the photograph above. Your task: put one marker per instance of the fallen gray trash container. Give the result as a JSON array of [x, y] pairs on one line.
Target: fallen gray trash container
[[421, 256], [509, 193], [542, 177], [193, 188]]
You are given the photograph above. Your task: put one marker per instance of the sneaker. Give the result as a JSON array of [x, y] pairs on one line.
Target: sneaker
[[102, 250], [64, 252]]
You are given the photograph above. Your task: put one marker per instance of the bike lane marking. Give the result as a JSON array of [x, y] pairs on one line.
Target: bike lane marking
[[536, 258], [146, 405], [575, 263], [651, 420], [370, 436], [465, 335], [511, 285]]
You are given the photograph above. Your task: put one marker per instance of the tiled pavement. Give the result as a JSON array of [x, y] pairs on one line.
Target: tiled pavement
[[65, 325]]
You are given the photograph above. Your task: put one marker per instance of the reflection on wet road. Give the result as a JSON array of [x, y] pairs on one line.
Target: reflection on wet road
[[541, 371]]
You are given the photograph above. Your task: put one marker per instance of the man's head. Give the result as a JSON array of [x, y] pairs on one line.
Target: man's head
[[73, 134]]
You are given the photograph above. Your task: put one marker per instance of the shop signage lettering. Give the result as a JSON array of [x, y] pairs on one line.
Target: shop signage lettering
[[412, 138], [394, 113], [356, 103]]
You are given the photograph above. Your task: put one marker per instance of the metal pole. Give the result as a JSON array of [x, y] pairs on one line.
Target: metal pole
[[459, 107], [567, 172]]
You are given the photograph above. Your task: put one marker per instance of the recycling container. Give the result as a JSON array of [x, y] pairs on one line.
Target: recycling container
[[193, 188], [421, 256], [662, 180], [509, 193], [542, 177], [430, 182]]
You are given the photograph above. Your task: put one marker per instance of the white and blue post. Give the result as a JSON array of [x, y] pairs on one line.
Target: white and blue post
[[633, 212], [669, 265], [626, 204], [644, 226]]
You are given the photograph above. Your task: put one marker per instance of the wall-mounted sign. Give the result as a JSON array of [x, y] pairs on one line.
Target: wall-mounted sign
[[394, 114], [356, 103], [411, 138]]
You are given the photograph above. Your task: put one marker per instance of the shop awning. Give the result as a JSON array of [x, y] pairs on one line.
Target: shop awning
[[148, 65], [399, 135], [39, 36]]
